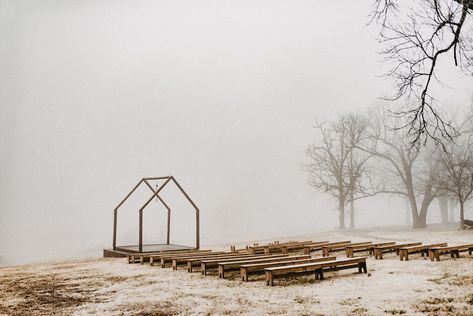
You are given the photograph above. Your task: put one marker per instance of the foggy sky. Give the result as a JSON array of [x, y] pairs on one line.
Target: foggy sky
[[95, 95]]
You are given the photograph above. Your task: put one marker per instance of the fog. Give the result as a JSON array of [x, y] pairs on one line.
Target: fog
[[95, 95]]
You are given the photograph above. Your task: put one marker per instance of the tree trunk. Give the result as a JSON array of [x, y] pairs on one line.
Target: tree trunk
[[414, 213], [408, 212], [421, 220], [462, 214], [452, 210], [443, 204], [352, 213], [341, 213]]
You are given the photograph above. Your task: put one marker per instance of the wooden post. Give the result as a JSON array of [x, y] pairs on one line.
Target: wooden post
[[169, 227], [140, 245], [197, 226], [197, 229], [115, 211]]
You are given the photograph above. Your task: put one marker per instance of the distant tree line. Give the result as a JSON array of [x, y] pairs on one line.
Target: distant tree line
[[362, 155]]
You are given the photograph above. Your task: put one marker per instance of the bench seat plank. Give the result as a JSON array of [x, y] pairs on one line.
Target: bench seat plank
[[175, 261], [165, 258], [309, 248], [207, 264], [350, 250], [235, 265], [333, 248], [136, 256], [316, 267], [247, 269], [422, 249], [379, 251], [454, 251]]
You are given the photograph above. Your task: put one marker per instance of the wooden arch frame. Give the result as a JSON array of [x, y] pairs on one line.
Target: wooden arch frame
[[156, 195]]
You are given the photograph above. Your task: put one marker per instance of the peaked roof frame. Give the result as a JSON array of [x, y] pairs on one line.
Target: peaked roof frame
[[155, 194]]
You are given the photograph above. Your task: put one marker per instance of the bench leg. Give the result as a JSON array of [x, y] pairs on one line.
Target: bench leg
[[244, 274], [221, 272], [470, 250], [269, 278], [437, 256], [457, 253], [362, 267], [204, 270], [319, 274]]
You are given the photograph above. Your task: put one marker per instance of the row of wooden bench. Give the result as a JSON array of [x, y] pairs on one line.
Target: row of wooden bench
[[272, 265], [434, 251], [277, 260]]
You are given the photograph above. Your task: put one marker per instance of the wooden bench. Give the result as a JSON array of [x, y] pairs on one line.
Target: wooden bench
[[379, 251], [135, 257], [275, 245], [194, 259], [254, 268], [207, 264], [309, 248], [327, 249], [350, 250], [302, 246], [422, 249], [164, 258], [146, 257], [317, 267], [235, 265], [454, 251], [153, 258], [280, 247]]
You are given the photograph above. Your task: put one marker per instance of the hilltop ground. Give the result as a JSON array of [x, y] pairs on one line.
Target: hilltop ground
[[113, 287]]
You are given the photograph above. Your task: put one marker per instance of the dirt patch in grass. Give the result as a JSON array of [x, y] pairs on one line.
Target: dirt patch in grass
[[44, 294], [395, 311], [148, 309], [435, 305], [453, 279]]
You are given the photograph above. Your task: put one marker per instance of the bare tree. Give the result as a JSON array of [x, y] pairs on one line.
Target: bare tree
[[416, 35], [334, 166], [403, 172], [456, 176]]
